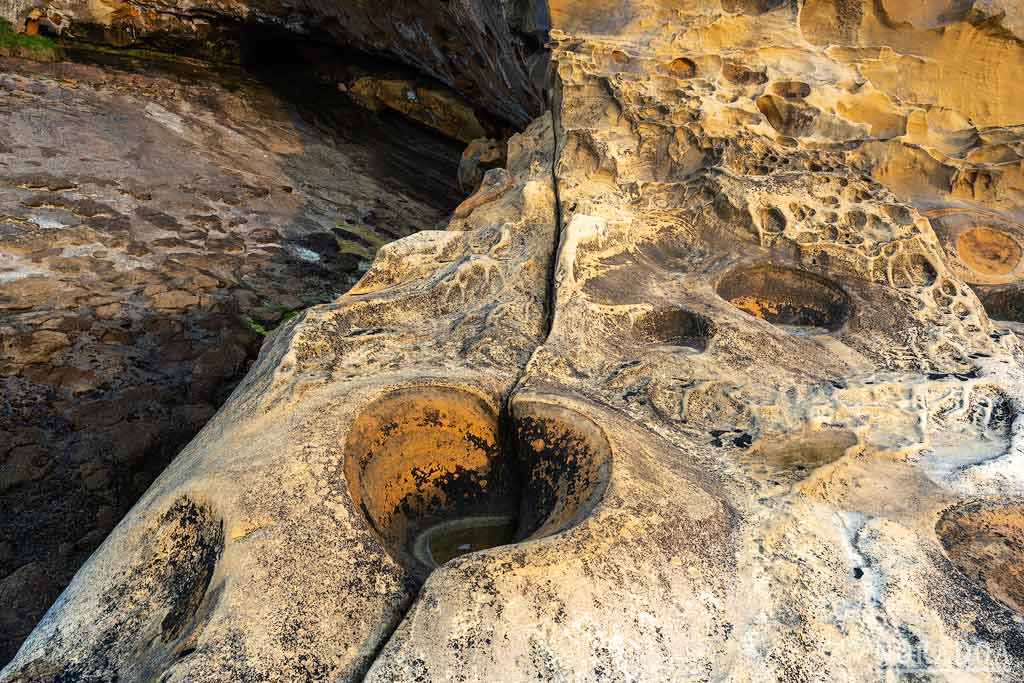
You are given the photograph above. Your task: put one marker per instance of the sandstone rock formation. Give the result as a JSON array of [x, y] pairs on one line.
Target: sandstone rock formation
[[147, 223], [707, 361], [251, 537]]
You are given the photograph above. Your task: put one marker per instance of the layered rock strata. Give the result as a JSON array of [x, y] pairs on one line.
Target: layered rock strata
[[753, 424]]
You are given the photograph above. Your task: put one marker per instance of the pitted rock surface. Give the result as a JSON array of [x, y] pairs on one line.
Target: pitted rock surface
[[303, 589], [827, 486]]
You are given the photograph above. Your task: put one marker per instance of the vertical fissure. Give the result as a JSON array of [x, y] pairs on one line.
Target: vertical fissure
[[554, 106], [553, 102]]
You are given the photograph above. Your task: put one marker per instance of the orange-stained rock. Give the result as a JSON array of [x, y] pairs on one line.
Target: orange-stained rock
[[432, 106]]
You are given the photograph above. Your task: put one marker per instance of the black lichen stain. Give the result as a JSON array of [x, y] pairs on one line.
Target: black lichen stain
[[150, 609], [564, 472], [198, 542]]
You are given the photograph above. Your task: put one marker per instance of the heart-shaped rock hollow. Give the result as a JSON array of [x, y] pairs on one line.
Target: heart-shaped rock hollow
[[438, 472], [786, 297]]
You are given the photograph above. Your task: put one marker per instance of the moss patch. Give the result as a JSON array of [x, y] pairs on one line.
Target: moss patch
[[255, 326], [140, 53], [359, 240], [264, 328], [39, 48]]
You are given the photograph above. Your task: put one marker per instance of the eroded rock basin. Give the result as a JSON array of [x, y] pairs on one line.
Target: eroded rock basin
[[438, 473], [796, 301]]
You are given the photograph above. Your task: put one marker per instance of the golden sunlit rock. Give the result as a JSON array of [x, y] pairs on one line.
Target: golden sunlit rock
[[718, 378]]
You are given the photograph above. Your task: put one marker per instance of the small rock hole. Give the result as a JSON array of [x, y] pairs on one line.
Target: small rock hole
[[773, 221], [675, 327], [796, 300], [791, 90], [195, 541], [683, 67]]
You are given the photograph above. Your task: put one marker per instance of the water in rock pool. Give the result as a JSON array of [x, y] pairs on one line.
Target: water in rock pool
[[454, 538], [805, 330]]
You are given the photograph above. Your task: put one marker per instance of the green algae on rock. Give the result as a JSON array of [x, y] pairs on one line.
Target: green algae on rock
[[35, 47]]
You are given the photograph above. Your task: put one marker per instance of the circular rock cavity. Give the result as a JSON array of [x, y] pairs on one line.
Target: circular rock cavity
[[798, 301], [989, 252], [675, 327], [439, 474], [683, 67], [986, 542]]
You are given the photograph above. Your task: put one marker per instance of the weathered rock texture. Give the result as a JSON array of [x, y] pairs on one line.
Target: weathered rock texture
[[817, 466], [762, 425], [146, 222], [250, 538]]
